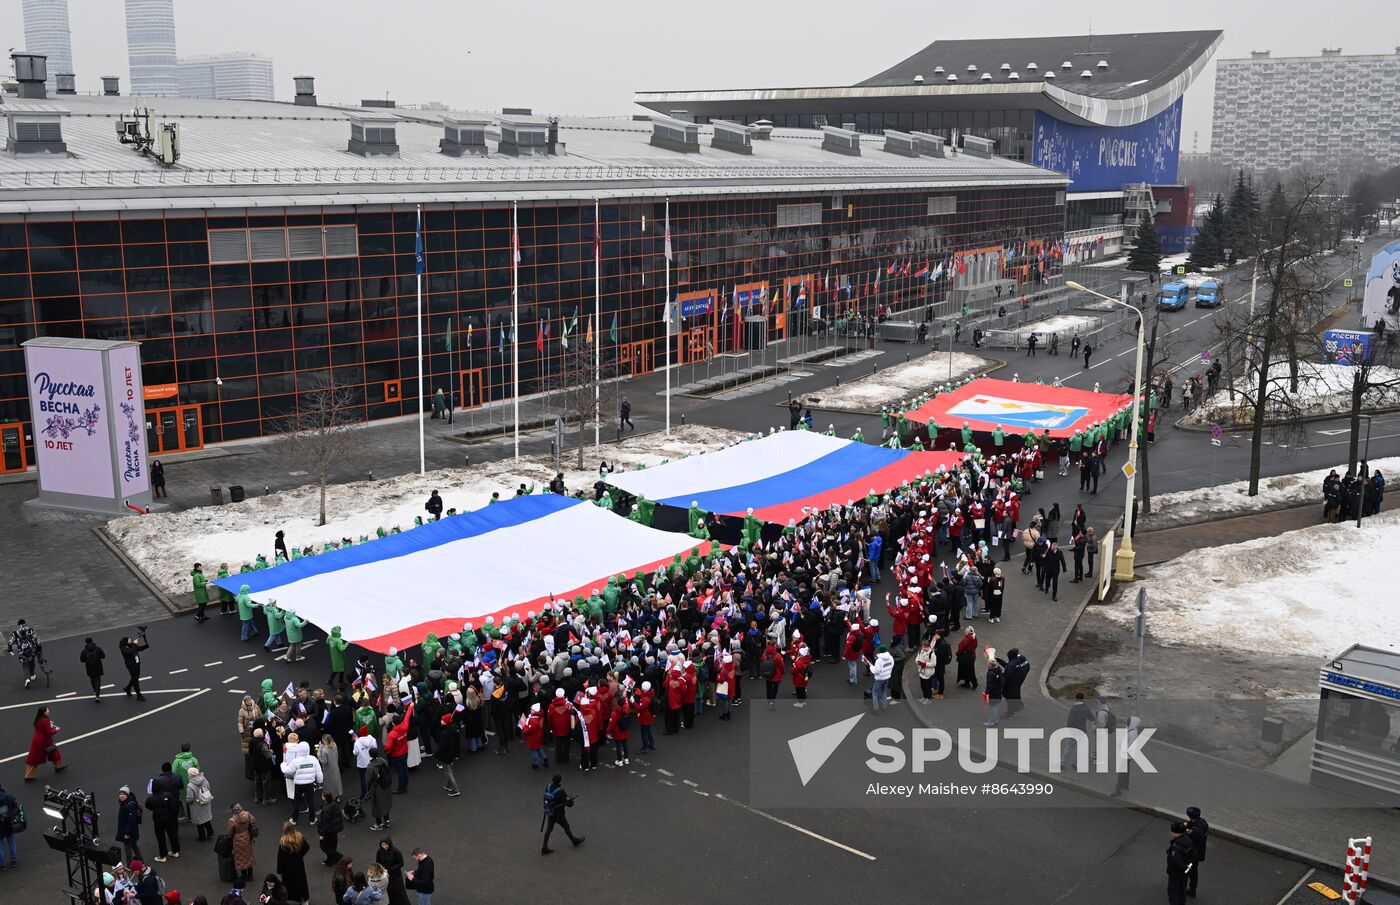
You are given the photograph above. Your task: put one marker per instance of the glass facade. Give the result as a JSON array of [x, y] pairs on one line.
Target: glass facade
[[1012, 130], [226, 347]]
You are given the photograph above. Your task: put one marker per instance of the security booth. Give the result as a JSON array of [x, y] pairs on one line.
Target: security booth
[[1356, 748]]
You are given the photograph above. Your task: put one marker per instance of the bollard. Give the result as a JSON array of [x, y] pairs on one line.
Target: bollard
[[466, 461], [838, 379], [682, 417], [266, 490], [371, 475]]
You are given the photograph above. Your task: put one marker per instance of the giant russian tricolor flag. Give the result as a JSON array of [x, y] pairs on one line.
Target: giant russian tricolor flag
[[509, 557], [1018, 407], [780, 474]]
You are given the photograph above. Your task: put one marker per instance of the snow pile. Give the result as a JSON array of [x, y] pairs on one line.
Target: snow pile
[[893, 386], [1322, 390], [1186, 507], [1310, 592], [167, 545], [1064, 324]]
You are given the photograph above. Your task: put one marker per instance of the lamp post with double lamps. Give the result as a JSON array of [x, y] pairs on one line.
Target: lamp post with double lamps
[[1125, 557]]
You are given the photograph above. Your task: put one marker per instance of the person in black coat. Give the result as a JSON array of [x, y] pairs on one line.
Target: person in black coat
[[434, 505], [131, 656], [420, 879], [158, 479], [448, 744], [1054, 565], [1081, 545], [1017, 669], [1199, 832], [164, 806], [391, 859], [1181, 863], [129, 825], [92, 657], [340, 725], [330, 823], [942, 654], [995, 688], [291, 863]]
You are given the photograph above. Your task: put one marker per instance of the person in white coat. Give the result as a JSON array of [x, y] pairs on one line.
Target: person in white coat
[[881, 670], [304, 772], [201, 801], [364, 753]]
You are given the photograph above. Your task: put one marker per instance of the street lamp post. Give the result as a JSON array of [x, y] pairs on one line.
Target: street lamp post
[[1123, 561]]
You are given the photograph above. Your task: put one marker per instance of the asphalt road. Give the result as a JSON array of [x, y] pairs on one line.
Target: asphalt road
[[675, 823]]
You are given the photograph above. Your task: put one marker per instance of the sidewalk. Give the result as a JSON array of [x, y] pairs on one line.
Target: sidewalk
[[1249, 805], [1154, 547]]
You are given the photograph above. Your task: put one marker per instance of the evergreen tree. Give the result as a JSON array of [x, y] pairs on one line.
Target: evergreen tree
[[1146, 256], [1274, 212], [1241, 217], [1209, 247]]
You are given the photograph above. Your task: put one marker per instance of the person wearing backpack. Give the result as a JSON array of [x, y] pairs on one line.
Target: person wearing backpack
[[620, 730], [556, 801], [381, 781], [150, 888], [9, 809], [770, 669], [129, 816]]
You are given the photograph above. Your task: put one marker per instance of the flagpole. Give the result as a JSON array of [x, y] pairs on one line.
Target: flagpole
[[666, 317], [598, 314], [515, 317], [422, 447]]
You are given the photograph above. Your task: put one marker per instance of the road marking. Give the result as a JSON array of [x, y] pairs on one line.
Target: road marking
[[792, 826], [1345, 442], [66, 694], [230, 679], [112, 685], [146, 678], [176, 672], [694, 785], [215, 663], [1333, 433], [247, 656], [235, 691], [666, 782], [116, 725], [258, 667], [67, 697], [664, 772], [698, 792], [1296, 886]]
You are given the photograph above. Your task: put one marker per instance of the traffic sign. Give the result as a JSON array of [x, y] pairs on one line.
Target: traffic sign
[[1215, 432], [1205, 355], [1347, 282], [1128, 470], [1181, 269], [1214, 441]]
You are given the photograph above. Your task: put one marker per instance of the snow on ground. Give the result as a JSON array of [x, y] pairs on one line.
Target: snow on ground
[[167, 545], [1322, 390], [1110, 262], [897, 384], [1310, 592], [1186, 507], [1064, 324]]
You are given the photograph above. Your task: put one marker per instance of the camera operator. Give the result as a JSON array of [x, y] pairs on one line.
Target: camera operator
[[24, 643], [131, 655]]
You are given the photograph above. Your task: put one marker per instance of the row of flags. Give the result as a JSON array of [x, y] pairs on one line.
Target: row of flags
[[544, 327]]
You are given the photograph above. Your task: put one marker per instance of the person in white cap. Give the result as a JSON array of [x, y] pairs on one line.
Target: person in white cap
[[996, 685]]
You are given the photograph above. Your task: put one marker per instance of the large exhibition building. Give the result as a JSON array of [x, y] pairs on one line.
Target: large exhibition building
[[1104, 110], [256, 249]]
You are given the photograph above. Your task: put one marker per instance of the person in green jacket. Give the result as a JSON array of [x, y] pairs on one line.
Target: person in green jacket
[[225, 595], [998, 438], [392, 664], [753, 528], [268, 696], [260, 563], [858, 436], [643, 511], [966, 434], [180, 766], [612, 595], [366, 718], [696, 517], [335, 646], [246, 607], [431, 646], [605, 501], [201, 591], [903, 428], [884, 418], [276, 626], [295, 631]]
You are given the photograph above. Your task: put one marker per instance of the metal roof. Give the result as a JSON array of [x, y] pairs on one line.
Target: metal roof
[[1145, 73], [253, 153]]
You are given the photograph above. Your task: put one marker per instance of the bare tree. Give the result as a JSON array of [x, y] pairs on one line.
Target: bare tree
[[583, 387], [324, 432]]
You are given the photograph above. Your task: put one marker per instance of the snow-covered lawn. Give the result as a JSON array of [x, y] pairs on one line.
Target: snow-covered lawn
[[167, 545], [897, 384], [1064, 324], [1186, 507], [1312, 592], [1322, 390]]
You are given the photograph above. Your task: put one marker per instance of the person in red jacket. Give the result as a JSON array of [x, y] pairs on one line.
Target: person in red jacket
[[855, 640], [645, 717], [674, 686], [532, 727], [396, 748], [770, 669], [561, 725], [619, 730], [592, 728], [801, 674], [725, 689], [688, 695], [897, 610]]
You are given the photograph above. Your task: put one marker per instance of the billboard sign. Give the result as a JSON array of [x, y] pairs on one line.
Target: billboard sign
[[1382, 297], [1104, 158], [89, 416], [1346, 347]]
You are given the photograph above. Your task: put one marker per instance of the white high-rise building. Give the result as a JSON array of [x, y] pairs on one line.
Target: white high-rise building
[[46, 31], [1281, 111], [150, 47], [227, 76]]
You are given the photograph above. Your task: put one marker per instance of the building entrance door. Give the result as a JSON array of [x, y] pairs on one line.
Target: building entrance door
[[12, 456], [173, 430]]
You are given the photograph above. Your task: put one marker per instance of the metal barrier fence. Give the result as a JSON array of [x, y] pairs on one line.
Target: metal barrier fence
[[1015, 336]]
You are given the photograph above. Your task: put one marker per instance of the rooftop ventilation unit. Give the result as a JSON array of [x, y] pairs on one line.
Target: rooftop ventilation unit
[[378, 103], [977, 147], [306, 91], [986, 76], [918, 80], [841, 141], [971, 67], [952, 76], [1031, 67], [463, 136], [1086, 74], [373, 135], [901, 143], [1049, 74], [1005, 67], [31, 71], [929, 145], [938, 70], [732, 137], [1014, 77], [111, 86], [1066, 65], [1101, 64], [517, 111], [762, 129], [675, 135], [553, 146], [524, 138], [35, 129], [65, 83]]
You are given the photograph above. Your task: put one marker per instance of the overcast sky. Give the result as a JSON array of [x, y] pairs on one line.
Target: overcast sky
[[588, 58]]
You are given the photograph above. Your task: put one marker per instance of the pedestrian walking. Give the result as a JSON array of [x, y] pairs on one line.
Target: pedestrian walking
[[624, 415], [158, 479], [131, 649], [242, 828], [1074, 346], [1088, 351], [303, 770], [967, 659], [1017, 669], [1031, 342], [291, 863], [447, 748], [420, 878], [1199, 831], [1054, 567], [92, 657], [381, 781], [41, 746], [200, 582], [1181, 861], [1091, 548], [881, 668], [330, 823], [163, 804], [328, 756], [181, 766], [556, 803]]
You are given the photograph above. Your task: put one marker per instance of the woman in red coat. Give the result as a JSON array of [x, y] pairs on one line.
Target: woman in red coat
[[801, 673], [645, 717], [42, 747], [619, 730]]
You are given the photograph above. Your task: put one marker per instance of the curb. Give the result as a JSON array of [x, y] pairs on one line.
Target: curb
[[1311, 419], [170, 605], [1282, 507]]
